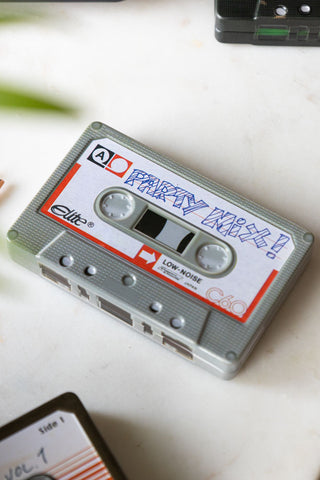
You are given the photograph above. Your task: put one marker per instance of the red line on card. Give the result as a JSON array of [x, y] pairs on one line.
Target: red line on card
[[91, 475], [261, 292], [107, 475], [84, 472], [60, 188], [72, 467], [72, 458]]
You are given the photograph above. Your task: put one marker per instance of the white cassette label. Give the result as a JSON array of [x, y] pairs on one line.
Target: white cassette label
[[56, 445], [261, 248]]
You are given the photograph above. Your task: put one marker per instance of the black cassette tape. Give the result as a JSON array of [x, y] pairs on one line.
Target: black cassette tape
[[268, 22], [56, 441]]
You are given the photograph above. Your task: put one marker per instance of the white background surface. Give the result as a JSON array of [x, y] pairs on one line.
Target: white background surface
[[247, 117]]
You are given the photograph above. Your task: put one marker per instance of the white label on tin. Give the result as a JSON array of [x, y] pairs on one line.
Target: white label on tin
[[262, 248], [56, 445]]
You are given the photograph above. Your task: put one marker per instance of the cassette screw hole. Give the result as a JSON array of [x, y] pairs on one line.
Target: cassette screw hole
[[231, 356], [155, 307], [96, 125], [305, 9], [66, 261], [13, 234], [128, 280], [177, 322], [308, 237], [281, 11], [90, 270]]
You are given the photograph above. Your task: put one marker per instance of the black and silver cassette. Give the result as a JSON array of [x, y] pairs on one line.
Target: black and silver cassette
[[56, 441], [268, 22], [183, 260]]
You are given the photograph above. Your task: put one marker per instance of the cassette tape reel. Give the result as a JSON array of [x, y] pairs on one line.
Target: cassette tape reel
[[183, 260]]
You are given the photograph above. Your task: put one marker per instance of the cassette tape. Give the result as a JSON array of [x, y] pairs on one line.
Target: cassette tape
[[268, 22], [57, 441], [185, 261]]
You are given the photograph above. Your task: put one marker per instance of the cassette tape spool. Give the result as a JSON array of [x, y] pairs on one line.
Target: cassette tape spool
[[268, 22], [56, 441], [185, 261]]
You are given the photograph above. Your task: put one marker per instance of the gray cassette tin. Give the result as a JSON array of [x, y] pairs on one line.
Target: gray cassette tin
[[188, 263]]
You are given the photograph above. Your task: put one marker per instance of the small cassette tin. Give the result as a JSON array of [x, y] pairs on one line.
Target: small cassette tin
[[268, 22], [56, 441]]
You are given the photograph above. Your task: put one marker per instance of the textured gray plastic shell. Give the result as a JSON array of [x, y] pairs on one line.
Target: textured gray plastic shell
[[209, 338]]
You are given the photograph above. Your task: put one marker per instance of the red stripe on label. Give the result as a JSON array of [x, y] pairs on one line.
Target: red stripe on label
[[106, 475], [260, 294], [76, 465], [89, 472], [71, 466], [69, 460]]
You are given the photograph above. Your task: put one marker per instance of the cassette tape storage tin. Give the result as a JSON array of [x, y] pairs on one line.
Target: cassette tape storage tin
[[56, 441], [268, 22], [181, 259]]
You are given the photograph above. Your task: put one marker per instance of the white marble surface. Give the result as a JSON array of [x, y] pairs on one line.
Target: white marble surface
[[245, 116]]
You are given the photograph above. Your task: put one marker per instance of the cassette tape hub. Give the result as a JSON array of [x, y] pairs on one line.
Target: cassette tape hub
[[190, 264], [56, 441], [268, 22]]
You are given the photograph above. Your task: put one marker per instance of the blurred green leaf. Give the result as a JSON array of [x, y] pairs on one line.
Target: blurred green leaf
[[15, 98], [13, 17], [11, 98]]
